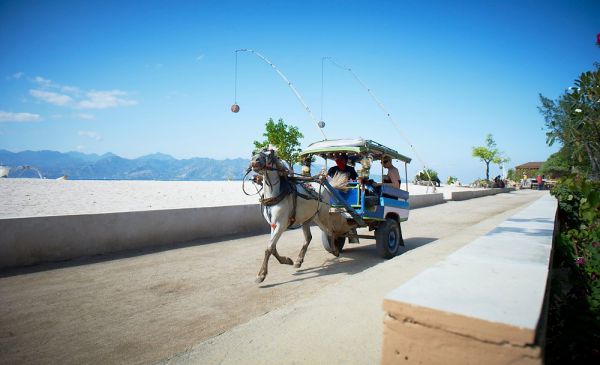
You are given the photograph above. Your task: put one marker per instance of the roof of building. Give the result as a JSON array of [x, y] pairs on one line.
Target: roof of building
[[530, 166]]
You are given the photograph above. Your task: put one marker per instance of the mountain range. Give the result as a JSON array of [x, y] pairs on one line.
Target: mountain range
[[157, 166]]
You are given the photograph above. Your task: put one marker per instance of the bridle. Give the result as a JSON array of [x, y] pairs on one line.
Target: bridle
[[261, 162]]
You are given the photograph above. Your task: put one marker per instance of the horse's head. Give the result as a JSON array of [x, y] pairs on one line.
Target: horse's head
[[265, 160]]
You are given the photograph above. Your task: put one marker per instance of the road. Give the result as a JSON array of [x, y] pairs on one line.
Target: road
[[145, 306]]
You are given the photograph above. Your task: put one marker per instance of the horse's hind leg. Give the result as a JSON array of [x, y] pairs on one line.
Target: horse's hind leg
[[307, 239]]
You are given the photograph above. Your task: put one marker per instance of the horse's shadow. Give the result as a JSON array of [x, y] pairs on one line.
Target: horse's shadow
[[352, 260]]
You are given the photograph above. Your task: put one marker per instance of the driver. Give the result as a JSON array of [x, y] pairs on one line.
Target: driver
[[342, 167]]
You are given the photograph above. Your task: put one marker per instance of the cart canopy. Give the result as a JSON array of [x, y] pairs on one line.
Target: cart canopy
[[354, 148]]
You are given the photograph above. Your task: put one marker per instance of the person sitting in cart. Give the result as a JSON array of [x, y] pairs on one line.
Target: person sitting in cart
[[341, 166], [392, 177]]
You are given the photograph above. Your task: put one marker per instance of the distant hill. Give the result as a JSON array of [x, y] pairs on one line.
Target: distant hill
[[157, 166]]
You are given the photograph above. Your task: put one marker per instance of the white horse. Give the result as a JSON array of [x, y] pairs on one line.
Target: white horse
[[286, 202]]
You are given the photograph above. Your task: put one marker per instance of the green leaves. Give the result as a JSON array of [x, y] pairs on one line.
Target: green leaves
[[574, 120], [579, 240], [286, 138], [489, 153]]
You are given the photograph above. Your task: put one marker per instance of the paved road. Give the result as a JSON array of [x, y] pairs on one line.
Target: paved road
[[150, 305]]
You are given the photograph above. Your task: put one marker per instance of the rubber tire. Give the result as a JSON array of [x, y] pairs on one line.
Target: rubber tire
[[388, 238], [325, 239]]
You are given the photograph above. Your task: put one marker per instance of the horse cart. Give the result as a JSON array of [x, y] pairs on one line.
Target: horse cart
[[338, 206], [363, 203]]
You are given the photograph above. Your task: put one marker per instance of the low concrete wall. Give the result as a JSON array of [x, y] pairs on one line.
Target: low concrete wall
[[26, 241], [464, 195], [420, 201], [482, 304]]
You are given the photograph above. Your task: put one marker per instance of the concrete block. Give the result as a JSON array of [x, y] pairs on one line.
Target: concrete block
[[464, 195], [425, 200], [482, 304], [418, 335]]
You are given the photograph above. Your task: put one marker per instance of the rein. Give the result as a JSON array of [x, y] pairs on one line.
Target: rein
[[253, 182]]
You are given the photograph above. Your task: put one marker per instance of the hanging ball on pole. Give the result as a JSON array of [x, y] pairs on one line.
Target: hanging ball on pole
[[321, 124], [235, 108]]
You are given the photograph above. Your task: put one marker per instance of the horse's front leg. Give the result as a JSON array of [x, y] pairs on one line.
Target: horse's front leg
[[282, 259], [276, 231], [307, 239], [281, 225]]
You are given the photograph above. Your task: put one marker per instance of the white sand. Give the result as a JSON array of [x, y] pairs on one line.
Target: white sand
[[35, 197]]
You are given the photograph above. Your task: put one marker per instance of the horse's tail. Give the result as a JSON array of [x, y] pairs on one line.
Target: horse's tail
[[340, 181]]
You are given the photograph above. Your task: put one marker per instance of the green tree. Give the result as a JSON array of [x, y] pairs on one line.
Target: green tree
[[574, 121], [489, 154], [556, 165], [286, 138], [511, 175]]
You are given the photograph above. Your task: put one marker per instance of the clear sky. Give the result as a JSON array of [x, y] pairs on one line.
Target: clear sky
[[138, 77]]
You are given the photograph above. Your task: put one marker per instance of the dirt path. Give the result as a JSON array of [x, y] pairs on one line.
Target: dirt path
[[147, 306]]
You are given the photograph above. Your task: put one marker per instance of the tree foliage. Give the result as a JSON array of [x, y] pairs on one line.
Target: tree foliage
[[557, 165], [489, 154], [427, 175], [511, 175], [574, 121], [285, 138]]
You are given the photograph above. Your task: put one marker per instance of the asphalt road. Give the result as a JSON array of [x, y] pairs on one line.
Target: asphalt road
[[146, 306]]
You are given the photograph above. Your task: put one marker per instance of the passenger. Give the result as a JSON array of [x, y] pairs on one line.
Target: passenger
[[342, 167], [392, 177]]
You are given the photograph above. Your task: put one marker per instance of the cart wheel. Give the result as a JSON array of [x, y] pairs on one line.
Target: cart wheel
[[388, 238], [326, 240]]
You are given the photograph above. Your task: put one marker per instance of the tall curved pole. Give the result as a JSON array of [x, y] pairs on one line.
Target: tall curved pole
[[288, 83], [387, 113]]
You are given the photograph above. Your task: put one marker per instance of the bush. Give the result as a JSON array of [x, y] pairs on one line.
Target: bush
[[422, 175], [480, 183], [574, 318], [511, 175], [451, 180]]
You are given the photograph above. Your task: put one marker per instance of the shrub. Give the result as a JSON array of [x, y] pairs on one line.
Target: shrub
[[480, 183], [511, 175], [422, 175], [451, 180], [574, 320]]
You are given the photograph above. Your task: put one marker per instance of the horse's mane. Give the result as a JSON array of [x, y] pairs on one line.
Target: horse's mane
[[340, 181], [281, 165]]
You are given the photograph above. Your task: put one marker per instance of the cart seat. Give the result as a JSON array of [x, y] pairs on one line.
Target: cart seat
[[391, 192], [351, 196]]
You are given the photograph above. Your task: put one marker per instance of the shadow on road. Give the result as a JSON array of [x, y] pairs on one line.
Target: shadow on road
[[520, 230], [352, 260], [416, 242], [87, 260]]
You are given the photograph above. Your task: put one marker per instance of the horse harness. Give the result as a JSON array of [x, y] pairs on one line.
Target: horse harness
[[289, 187]]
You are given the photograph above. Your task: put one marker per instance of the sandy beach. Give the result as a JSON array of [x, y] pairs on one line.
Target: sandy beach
[[37, 197]]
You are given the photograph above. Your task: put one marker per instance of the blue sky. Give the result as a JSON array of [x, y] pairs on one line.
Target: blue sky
[[138, 77]]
